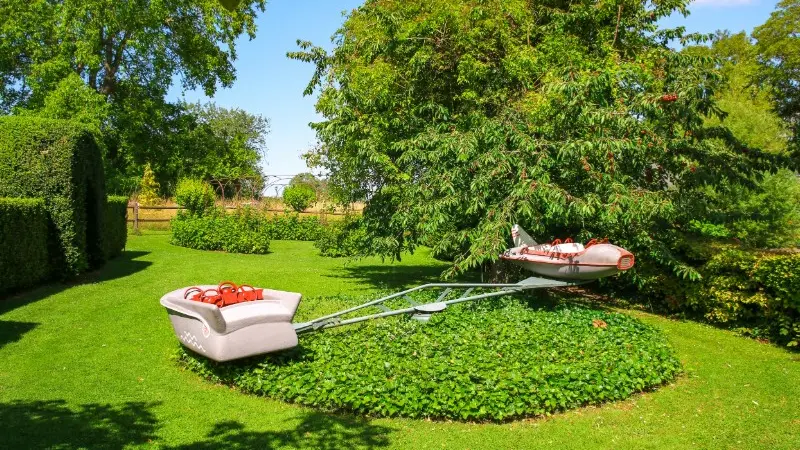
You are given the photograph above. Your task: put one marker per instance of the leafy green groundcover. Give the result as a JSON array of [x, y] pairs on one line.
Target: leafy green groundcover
[[489, 361]]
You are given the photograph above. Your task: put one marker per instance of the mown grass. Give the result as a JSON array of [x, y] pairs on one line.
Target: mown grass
[[91, 365]]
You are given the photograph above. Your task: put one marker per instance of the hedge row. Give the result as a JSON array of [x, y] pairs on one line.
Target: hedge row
[[60, 162], [293, 227], [23, 243], [115, 232], [246, 230], [239, 232]]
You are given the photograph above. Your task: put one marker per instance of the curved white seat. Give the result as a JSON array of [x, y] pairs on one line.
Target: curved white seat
[[236, 331]]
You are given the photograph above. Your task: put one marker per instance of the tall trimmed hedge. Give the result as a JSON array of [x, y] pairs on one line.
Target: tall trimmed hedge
[[23, 243], [60, 162], [115, 230]]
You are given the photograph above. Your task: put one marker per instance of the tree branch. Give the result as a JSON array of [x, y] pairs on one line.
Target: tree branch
[[616, 30]]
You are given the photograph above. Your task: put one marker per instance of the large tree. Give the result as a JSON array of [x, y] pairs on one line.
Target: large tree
[[456, 119], [767, 214], [743, 96], [116, 46], [778, 43], [124, 54]]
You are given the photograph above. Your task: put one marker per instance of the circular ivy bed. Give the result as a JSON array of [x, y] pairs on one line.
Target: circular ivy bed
[[494, 360]]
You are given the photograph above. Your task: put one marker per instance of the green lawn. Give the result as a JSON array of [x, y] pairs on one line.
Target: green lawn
[[90, 365]]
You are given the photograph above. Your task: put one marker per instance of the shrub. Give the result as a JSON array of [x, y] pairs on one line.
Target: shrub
[[293, 227], [239, 232], [347, 238], [489, 361], [757, 292], [115, 233], [195, 195], [299, 197], [24, 257], [148, 188], [61, 163]]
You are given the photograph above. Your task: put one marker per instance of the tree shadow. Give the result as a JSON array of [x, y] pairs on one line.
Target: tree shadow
[[394, 276], [52, 424], [13, 331], [124, 265], [316, 431]]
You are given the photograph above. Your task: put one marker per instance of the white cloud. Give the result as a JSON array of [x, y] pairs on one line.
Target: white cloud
[[721, 2]]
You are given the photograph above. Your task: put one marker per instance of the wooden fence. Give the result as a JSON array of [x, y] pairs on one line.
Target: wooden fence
[[136, 219]]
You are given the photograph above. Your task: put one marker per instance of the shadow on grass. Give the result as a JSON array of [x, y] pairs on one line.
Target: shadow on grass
[[122, 266], [391, 276], [13, 331], [52, 424], [315, 431]]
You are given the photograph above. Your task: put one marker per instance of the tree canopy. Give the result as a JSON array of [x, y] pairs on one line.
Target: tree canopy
[[110, 64], [457, 119], [743, 98], [779, 55]]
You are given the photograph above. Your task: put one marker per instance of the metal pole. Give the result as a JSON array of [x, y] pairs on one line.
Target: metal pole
[[424, 286], [505, 289], [309, 326]]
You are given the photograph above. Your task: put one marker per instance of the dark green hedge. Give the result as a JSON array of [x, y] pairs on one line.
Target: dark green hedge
[[23, 243], [60, 162], [115, 231]]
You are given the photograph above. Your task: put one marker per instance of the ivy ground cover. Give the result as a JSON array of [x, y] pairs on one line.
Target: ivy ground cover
[[489, 361], [91, 365]]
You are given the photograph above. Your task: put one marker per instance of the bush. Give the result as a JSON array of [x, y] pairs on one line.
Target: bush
[[61, 163], [293, 227], [24, 257], [195, 195], [755, 291], [148, 188], [347, 238], [299, 197], [115, 233], [239, 232], [489, 361]]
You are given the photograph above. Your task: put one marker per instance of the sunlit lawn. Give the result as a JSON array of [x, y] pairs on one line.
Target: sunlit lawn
[[90, 365]]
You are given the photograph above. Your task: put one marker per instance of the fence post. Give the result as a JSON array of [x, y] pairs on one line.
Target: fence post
[[135, 217]]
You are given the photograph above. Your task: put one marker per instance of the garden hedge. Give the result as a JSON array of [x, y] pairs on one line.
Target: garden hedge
[[60, 162], [293, 227], [23, 243], [240, 232], [115, 231], [245, 230]]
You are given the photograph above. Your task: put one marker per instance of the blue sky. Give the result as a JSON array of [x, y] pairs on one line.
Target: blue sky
[[270, 84]]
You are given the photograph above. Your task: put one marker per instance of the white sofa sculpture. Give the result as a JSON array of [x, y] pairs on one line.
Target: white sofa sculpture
[[235, 331]]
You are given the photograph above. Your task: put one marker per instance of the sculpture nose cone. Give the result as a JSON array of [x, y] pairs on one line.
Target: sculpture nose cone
[[625, 261]]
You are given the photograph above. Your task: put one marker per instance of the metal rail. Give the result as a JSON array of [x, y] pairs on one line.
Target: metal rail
[[424, 311]]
